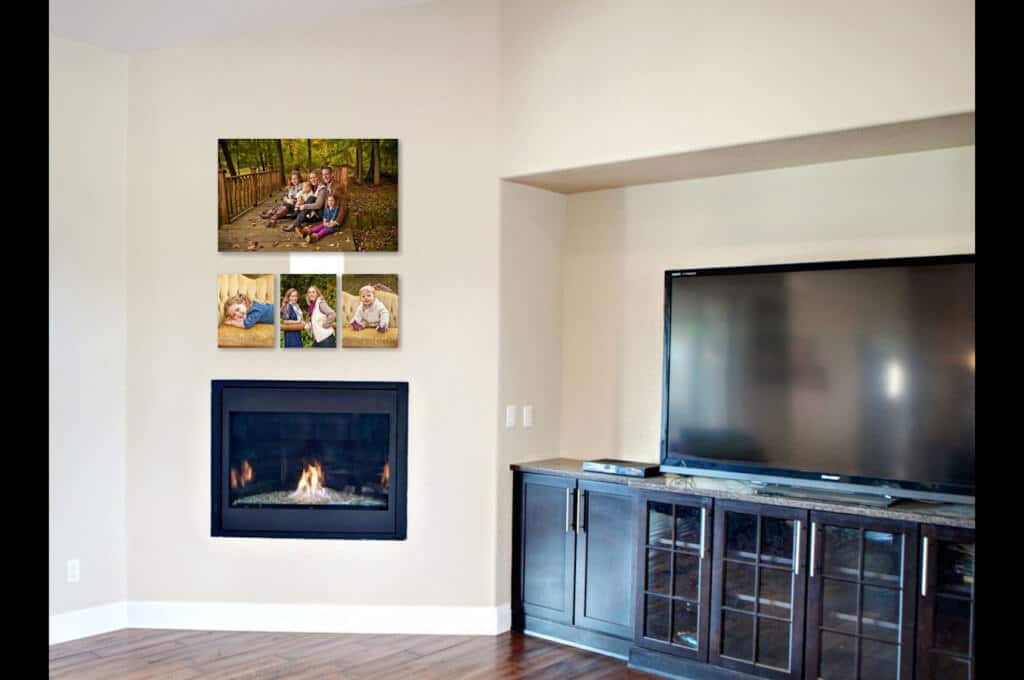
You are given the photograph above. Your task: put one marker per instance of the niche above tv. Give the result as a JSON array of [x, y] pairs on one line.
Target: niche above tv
[[855, 376], [926, 134]]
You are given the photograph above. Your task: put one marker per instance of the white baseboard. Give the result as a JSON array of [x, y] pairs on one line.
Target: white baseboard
[[297, 618], [85, 622]]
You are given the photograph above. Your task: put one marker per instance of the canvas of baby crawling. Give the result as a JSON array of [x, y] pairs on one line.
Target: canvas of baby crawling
[[369, 310], [307, 195]]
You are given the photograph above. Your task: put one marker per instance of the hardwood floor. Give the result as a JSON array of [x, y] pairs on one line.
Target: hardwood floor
[[146, 654]]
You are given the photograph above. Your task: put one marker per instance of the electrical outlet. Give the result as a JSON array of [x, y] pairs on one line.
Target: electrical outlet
[[528, 416], [74, 572], [510, 415]]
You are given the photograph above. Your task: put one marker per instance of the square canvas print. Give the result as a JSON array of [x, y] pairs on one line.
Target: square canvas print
[[307, 195], [307, 310], [369, 310], [245, 310]]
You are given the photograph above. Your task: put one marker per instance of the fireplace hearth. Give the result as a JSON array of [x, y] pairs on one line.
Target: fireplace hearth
[[308, 459]]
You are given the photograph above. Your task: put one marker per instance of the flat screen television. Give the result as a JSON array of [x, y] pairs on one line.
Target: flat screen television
[[855, 376]]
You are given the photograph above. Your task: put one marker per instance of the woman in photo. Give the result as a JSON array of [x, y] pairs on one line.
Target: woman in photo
[[287, 206], [291, 312], [321, 318]]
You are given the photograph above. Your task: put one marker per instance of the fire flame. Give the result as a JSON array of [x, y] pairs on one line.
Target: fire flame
[[242, 479], [311, 482], [385, 476]]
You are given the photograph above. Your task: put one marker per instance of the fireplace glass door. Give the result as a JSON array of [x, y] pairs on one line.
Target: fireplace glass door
[[311, 460]]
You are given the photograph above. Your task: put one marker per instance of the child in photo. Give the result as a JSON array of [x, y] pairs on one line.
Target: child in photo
[[305, 195], [370, 311], [290, 311], [243, 312], [328, 226]]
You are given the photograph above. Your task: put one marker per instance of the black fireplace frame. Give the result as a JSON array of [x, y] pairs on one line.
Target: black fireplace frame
[[387, 524]]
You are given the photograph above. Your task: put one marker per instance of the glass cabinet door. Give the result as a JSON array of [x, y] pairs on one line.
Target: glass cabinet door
[[758, 597], [946, 605], [673, 583], [860, 598]]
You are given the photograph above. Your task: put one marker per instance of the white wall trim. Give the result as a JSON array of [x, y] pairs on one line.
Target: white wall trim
[[85, 622], [289, 618]]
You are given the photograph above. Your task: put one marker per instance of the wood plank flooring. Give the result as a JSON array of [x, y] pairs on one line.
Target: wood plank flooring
[[147, 654]]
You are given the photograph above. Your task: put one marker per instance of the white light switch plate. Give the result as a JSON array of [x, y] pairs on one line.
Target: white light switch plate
[[510, 415], [528, 416]]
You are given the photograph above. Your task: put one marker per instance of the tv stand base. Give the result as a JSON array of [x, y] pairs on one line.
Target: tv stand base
[[871, 500]]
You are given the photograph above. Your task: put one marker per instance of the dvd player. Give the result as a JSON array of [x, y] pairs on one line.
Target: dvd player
[[612, 466]]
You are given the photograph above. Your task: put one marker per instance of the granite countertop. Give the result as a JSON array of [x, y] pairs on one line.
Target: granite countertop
[[945, 514]]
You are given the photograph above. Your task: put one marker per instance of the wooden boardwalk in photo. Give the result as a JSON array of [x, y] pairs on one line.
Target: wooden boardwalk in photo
[[250, 233], [144, 654]]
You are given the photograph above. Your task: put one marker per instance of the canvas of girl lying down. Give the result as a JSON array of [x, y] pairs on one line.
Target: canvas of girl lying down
[[245, 310]]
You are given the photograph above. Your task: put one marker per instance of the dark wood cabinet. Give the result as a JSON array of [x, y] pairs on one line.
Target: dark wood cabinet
[[673, 580], [686, 585], [547, 544], [604, 569], [945, 596], [860, 598], [573, 564], [758, 586]]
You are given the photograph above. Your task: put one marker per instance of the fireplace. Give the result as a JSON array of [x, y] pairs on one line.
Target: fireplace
[[308, 459]]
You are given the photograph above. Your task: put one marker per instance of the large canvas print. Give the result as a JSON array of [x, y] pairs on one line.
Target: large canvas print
[[307, 195]]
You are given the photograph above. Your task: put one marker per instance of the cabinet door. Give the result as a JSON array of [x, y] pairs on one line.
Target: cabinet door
[[673, 574], [945, 628], [860, 598], [604, 558], [758, 589], [546, 546]]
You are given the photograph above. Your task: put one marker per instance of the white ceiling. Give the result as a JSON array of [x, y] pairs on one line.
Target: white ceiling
[[130, 26]]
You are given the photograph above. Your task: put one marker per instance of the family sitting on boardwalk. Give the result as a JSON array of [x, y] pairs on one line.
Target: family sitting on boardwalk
[[314, 209]]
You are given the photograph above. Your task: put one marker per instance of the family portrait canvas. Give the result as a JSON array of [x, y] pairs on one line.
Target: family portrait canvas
[[245, 310], [307, 195], [308, 310], [369, 309]]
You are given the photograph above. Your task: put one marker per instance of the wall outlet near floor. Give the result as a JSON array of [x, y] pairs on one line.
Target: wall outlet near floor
[[510, 415], [74, 571], [528, 416]]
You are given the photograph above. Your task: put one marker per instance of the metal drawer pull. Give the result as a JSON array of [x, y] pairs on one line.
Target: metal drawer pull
[[703, 526], [567, 506], [813, 531], [580, 515], [924, 568], [796, 549]]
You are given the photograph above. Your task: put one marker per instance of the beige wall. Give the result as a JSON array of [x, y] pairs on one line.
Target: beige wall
[[592, 81], [428, 76], [88, 94], [530, 354], [619, 243]]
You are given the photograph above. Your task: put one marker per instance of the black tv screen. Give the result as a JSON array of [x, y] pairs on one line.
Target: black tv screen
[[847, 373]]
